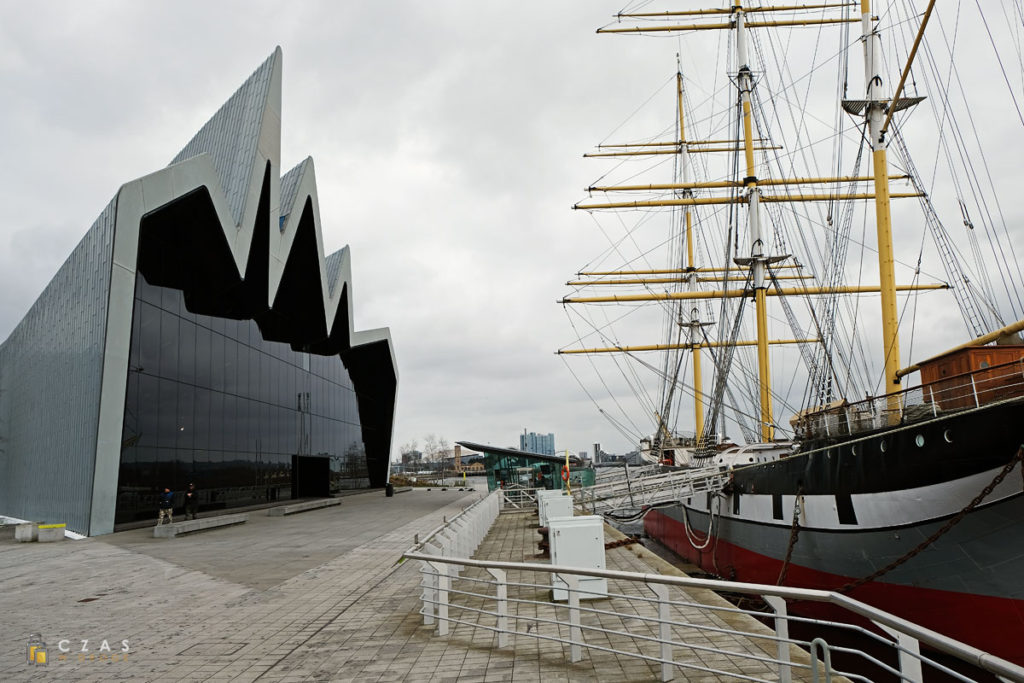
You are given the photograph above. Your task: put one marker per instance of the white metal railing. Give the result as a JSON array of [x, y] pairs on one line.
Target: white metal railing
[[651, 618], [517, 496], [608, 475], [462, 534], [654, 488]]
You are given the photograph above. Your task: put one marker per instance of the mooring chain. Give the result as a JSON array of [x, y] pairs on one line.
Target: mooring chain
[[945, 527], [794, 532]]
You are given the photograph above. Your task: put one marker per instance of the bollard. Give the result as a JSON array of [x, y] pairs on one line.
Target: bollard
[[25, 533]]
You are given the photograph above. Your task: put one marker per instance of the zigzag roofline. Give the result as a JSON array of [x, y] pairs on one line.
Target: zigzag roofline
[[213, 221], [212, 225]]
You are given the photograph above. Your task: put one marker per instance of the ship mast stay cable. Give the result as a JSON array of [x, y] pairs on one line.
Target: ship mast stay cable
[[947, 119], [831, 265], [612, 395], [800, 125], [791, 226]]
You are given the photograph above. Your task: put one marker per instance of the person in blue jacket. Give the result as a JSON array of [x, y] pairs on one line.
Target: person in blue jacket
[[166, 507]]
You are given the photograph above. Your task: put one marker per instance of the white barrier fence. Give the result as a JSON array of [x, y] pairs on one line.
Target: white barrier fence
[[652, 617]]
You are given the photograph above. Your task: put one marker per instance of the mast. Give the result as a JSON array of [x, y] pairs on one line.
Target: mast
[[757, 255], [757, 263], [695, 325], [690, 275], [875, 114]]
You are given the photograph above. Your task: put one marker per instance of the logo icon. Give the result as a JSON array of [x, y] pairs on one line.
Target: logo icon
[[37, 649]]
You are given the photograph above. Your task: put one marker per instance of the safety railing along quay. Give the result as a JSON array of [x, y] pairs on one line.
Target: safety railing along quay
[[462, 534], [653, 617]]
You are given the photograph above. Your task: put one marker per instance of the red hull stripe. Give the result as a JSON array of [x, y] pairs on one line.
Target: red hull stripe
[[992, 624]]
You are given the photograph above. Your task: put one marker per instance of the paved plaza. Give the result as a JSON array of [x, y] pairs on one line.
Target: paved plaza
[[311, 597]]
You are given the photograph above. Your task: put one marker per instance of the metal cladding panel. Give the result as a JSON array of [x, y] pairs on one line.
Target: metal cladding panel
[[232, 135], [50, 372], [289, 191], [334, 268]]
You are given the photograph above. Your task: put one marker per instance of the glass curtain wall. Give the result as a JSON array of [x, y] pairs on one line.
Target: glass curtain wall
[[210, 402]]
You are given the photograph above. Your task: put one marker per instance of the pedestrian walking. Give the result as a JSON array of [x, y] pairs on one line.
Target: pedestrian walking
[[191, 502], [166, 507]]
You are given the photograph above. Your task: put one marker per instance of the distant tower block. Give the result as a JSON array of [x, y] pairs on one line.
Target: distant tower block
[[458, 458]]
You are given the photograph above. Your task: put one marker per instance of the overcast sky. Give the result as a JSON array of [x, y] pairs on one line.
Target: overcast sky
[[447, 138]]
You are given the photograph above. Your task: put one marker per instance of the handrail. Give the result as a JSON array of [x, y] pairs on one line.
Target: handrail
[[447, 523], [984, 660], [963, 375], [979, 387]]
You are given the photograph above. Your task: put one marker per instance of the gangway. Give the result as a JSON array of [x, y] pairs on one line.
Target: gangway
[[638, 492], [610, 474]]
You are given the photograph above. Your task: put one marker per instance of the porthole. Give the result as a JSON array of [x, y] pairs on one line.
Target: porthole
[[882, 446], [948, 436], [919, 440], [853, 450]]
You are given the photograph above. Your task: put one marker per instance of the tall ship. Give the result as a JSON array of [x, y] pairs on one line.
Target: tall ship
[[787, 298]]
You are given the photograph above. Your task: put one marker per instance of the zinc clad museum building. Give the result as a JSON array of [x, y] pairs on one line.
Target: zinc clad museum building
[[197, 333]]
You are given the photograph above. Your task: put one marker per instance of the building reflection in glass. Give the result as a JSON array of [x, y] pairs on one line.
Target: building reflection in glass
[[249, 421]]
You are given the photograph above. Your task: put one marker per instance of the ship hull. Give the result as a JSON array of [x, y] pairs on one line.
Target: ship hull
[[968, 584]]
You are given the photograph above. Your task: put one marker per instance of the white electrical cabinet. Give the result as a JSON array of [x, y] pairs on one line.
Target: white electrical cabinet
[[555, 506], [578, 542], [542, 494]]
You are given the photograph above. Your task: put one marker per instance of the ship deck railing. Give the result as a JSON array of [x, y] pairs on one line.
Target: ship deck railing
[[957, 393], [669, 622]]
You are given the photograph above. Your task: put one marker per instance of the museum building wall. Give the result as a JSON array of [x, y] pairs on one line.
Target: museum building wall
[[210, 402], [198, 332]]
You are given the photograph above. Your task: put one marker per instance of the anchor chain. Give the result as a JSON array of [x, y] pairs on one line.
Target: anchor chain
[[794, 532], [945, 527]]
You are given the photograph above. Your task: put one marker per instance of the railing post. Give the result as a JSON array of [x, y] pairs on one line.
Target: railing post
[[974, 388], [575, 632], [778, 605], [664, 630], [931, 392], [910, 653], [443, 584], [428, 597], [826, 658], [502, 605]]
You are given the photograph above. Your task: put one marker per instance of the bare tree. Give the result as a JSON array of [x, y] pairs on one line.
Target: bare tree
[[435, 450], [407, 451]]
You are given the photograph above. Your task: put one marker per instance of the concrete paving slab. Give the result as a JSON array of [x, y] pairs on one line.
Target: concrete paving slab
[[313, 597]]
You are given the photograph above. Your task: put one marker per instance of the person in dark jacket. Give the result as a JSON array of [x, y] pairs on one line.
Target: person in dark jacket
[[191, 502], [166, 507]]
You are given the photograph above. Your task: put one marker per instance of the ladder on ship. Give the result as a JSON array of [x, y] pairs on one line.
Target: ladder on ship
[[650, 488]]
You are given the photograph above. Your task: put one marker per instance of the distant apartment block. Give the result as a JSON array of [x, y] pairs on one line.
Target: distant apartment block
[[537, 443]]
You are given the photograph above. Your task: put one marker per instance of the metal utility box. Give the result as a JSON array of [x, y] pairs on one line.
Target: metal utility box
[[557, 506], [544, 499], [578, 542]]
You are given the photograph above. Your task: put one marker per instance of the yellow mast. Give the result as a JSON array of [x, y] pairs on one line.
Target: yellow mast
[[875, 107], [698, 380], [758, 258], [875, 114]]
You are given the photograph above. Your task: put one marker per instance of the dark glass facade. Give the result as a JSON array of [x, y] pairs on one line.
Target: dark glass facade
[[210, 401]]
